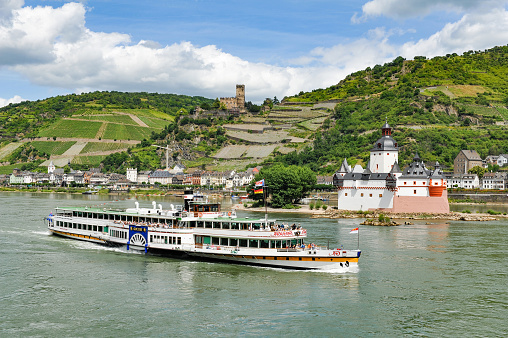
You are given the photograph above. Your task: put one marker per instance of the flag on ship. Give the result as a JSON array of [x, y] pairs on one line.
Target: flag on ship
[[258, 191], [260, 183], [354, 231]]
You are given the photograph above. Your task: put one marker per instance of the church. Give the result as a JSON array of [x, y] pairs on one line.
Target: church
[[382, 185]]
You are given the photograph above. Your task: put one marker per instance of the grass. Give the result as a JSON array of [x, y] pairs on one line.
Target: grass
[[92, 147], [127, 132], [52, 147], [154, 122], [115, 118], [7, 169], [90, 160], [71, 129]]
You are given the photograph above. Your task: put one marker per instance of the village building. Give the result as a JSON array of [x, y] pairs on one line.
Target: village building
[[382, 185], [494, 181], [466, 160], [502, 160]]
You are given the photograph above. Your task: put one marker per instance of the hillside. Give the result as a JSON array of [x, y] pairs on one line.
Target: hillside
[[84, 129], [437, 107]]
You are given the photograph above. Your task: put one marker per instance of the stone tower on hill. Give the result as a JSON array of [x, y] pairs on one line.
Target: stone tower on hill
[[236, 103]]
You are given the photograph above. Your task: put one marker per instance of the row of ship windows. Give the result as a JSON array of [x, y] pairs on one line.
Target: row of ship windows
[[124, 218], [118, 234], [162, 239], [79, 226], [227, 225], [249, 243]]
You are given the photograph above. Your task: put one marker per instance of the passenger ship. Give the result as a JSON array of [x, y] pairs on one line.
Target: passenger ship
[[199, 229]]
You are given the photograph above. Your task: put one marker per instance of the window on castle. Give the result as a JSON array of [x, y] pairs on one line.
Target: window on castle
[[380, 195], [414, 182], [370, 195], [414, 191], [405, 183], [345, 194], [361, 194]]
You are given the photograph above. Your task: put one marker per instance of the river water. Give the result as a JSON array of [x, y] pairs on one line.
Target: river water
[[439, 279]]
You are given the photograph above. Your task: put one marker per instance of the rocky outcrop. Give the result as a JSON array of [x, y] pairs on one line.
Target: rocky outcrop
[[370, 221]]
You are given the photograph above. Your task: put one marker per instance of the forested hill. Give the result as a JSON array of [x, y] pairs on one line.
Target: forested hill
[[25, 119], [437, 107]]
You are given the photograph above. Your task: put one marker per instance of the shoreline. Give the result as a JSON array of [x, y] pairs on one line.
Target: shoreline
[[334, 214]]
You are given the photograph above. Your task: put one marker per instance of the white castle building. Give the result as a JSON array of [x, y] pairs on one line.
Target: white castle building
[[382, 185]]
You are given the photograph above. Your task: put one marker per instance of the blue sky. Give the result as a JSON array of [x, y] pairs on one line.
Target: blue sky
[[201, 47]]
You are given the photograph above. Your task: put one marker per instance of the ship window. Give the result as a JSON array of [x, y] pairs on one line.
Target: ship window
[[235, 226], [253, 243], [233, 242], [264, 243], [100, 228], [206, 240], [215, 240], [256, 226], [179, 240], [207, 224], [224, 241], [151, 238], [243, 243], [165, 239], [200, 224], [216, 225], [245, 226], [225, 225]]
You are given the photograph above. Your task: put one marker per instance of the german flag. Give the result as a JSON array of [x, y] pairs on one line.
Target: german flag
[[258, 191]]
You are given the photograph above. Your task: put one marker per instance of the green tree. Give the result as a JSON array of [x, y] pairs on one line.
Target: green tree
[[480, 171], [287, 184]]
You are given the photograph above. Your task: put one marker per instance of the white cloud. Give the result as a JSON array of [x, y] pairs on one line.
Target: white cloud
[[472, 32], [402, 9], [15, 99], [53, 47]]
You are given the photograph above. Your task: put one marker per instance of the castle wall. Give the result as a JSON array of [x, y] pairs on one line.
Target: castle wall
[[364, 195], [431, 205]]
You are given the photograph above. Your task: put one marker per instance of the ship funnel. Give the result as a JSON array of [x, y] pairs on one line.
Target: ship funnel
[[137, 205]]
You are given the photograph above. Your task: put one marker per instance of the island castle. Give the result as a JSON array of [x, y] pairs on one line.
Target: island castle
[[383, 186]]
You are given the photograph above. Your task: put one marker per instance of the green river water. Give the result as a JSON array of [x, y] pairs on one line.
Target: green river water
[[439, 279]]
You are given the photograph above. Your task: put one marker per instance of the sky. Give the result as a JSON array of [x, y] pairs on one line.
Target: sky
[[205, 47]]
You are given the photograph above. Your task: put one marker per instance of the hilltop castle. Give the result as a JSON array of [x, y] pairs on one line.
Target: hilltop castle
[[235, 103], [382, 185]]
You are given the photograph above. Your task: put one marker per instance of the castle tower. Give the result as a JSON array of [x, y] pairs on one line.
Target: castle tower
[[240, 96], [385, 152]]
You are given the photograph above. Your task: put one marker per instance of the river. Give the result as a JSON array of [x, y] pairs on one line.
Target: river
[[438, 279]]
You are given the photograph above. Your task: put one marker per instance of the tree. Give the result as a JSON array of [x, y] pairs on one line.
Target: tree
[[480, 171], [286, 184]]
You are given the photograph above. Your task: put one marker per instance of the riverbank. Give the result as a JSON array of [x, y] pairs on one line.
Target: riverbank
[[335, 214]]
